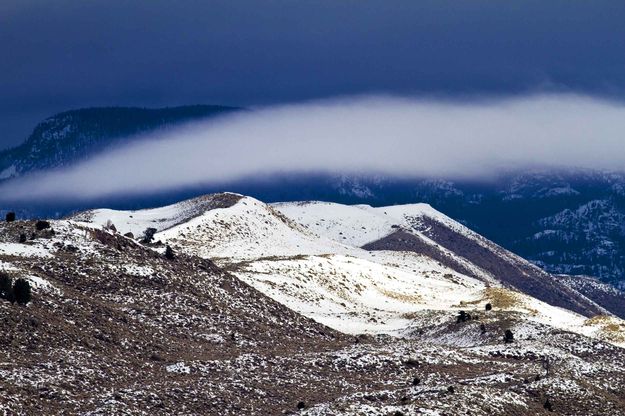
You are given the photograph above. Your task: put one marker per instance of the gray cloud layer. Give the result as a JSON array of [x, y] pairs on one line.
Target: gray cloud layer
[[385, 135], [63, 54]]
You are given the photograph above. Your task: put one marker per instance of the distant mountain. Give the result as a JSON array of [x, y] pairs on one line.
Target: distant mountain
[[74, 135], [570, 222]]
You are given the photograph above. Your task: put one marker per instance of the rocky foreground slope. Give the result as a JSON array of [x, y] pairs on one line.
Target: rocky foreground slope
[[279, 310]]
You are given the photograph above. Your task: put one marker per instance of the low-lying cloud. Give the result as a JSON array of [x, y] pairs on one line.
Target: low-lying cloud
[[379, 135]]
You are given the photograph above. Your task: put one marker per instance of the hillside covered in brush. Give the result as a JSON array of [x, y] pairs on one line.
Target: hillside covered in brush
[[226, 305]]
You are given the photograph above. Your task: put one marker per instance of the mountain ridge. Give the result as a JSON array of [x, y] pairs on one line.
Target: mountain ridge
[[73, 135], [266, 309], [257, 221]]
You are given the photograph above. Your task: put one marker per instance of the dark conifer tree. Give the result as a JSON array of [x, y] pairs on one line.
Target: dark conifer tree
[[42, 225], [463, 317], [169, 253], [148, 235], [21, 291]]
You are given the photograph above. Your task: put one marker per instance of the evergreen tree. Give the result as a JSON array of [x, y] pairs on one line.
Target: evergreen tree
[[42, 225], [21, 291], [169, 253], [148, 235], [463, 317], [10, 217]]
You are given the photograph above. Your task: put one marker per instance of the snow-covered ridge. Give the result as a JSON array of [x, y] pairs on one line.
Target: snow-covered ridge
[[361, 224], [308, 256], [161, 218], [107, 307]]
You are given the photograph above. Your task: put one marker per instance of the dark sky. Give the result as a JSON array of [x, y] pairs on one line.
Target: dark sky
[[68, 54]]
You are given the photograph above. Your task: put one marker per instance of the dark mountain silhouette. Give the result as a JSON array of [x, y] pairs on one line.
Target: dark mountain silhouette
[[74, 135]]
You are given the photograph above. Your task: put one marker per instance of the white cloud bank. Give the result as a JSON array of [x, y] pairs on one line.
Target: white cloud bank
[[382, 135]]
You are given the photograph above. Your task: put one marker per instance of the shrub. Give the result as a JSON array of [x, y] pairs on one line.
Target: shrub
[[10, 217], [301, 405], [451, 389], [548, 406], [463, 317], [489, 307], [169, 253], [129, 235], [508, 336], [148, 235], [6, 287], [483, 328], [416, 381], [22, 238], [42, 225], [411, 362], [21, 291]]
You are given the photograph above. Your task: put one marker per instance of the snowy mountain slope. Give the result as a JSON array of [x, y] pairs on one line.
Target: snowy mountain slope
[[273, 253], [355, 225], [116, 327], [604, 294], [363, 294], [136, 222], [248, 230], [409, 227], [113, 328], [347, 287]]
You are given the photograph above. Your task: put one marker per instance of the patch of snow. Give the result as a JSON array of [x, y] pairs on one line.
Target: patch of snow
[[23, 250], [137, 270], [39, 283], [180, 368]]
